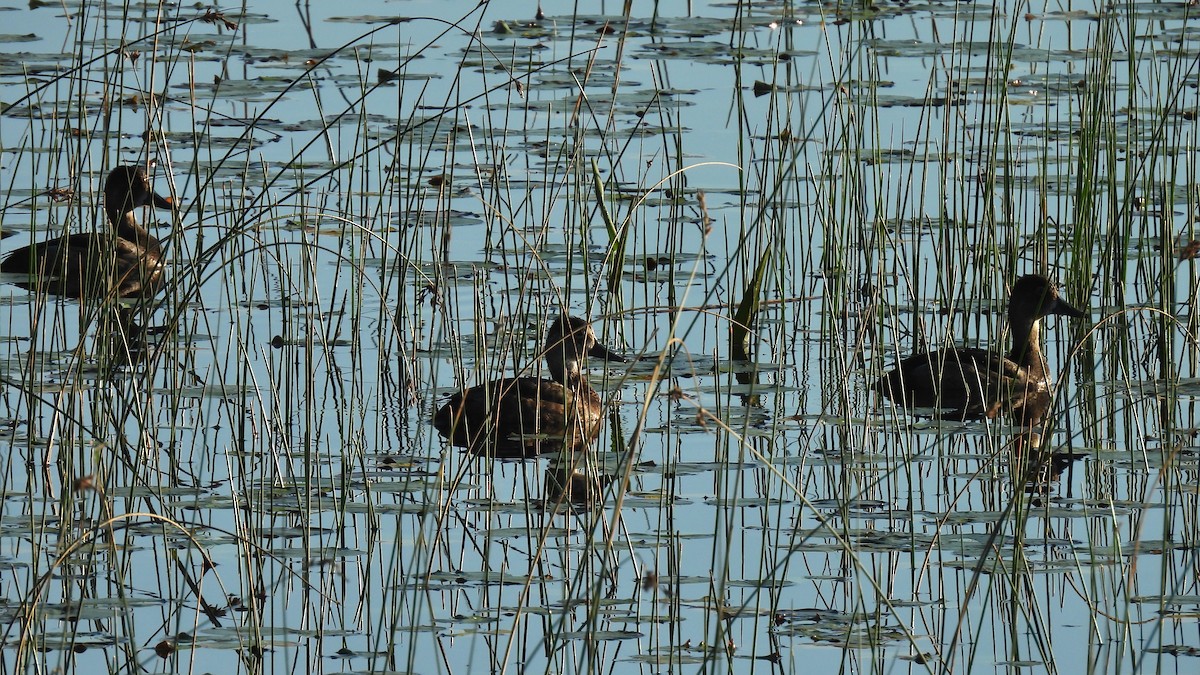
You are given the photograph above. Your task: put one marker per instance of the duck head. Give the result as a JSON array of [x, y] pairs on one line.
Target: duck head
[[569, 341], [126, 189], [1035, 297]]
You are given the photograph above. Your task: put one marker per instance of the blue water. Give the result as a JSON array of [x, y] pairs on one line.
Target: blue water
[[349, 251]]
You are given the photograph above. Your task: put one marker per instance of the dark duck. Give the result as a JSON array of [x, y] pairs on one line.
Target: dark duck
[[975, 384], [125, 262], [527, 416]]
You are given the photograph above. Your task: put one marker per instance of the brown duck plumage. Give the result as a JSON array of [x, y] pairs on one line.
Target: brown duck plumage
[[525, 416], [125, 262], [973, 384]]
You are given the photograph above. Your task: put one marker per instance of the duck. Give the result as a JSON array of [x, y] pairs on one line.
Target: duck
[[527, 416], [976, 384], [126, 262]]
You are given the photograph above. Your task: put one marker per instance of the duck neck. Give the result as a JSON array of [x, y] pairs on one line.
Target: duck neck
[[126, 226], [567, 371], [1027, 345]]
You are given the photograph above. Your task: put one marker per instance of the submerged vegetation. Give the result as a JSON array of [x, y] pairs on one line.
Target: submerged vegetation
[[768, 204]]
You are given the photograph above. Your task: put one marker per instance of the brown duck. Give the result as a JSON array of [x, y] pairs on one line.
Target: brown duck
[[972, 384], [526, 416], [125, 262]]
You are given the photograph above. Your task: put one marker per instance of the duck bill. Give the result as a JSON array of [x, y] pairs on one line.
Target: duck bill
[[162, 202], [1067, 309], [147, 197], [601, 352]]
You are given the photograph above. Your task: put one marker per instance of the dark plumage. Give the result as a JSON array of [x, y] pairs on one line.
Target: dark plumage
[[973, 384], [125, 262], [525, 416]]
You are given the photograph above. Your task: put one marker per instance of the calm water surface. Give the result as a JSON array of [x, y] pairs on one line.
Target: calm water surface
[[378, 212]]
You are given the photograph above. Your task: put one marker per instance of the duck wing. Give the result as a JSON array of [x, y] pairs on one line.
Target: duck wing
[[516, 417], [962, 383], [85, 264], [56, 265]]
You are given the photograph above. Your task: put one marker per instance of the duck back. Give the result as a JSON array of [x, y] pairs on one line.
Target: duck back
[[520, 417], [962, 384], [73, 266]]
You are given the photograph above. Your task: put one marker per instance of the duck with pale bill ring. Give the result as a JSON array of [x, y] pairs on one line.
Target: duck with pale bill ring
[[125, 262], [527, 416], [973, 384]]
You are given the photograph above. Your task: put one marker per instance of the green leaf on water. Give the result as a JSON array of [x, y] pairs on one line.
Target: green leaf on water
[[747, 310]]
